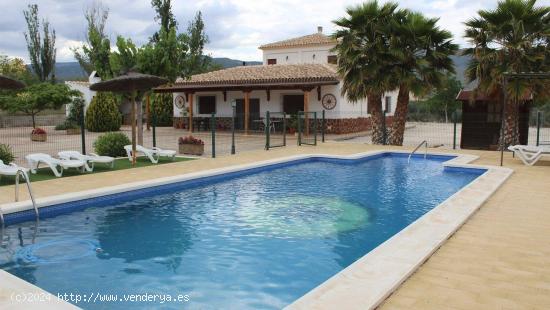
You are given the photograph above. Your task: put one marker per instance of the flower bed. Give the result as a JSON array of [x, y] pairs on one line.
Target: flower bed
[[39, 135], [191, 146]]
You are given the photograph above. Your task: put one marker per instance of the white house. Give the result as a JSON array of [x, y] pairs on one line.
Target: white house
[[84, 88], [297, 74]]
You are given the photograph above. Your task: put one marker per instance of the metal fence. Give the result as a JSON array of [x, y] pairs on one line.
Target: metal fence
[[275, 127], [539, 128], [223, 135]]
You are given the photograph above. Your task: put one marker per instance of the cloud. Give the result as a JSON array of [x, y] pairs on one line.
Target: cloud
[[235, 27]]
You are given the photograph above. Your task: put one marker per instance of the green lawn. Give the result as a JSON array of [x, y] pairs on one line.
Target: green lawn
[[45, 173]]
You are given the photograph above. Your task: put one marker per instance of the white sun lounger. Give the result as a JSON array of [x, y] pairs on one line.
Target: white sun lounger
[[530, 154], [34, 161], [153, 154], [90, 160], [12, 169]]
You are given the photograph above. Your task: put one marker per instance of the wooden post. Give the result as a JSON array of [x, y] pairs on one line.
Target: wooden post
[[133, 128], [246, 111], [306, 110], [148, 111], [190, 100]]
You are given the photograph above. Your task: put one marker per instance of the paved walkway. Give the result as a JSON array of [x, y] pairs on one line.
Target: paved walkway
[[498, 260]]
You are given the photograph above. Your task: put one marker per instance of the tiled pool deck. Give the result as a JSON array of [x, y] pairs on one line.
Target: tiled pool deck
[[498, 259]]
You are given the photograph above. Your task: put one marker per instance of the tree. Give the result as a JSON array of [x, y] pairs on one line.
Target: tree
[[15, 68], [513, 37], [365, 58], [102, 114], [194, 40], [422, 53], [164, 16], [125, 59], [443, 99], [38, 97], [41, 50], [165, 57], [94, 54]]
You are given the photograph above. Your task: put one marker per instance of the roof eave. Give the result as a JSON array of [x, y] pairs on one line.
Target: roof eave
[[264, 47], [242, 86]]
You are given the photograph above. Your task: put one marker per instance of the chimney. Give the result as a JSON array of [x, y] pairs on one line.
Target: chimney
[[319, 29]]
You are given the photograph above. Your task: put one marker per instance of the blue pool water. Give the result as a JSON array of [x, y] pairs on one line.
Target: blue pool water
[[253, 241]]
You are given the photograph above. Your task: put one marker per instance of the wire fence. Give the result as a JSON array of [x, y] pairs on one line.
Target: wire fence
[[225, 135]]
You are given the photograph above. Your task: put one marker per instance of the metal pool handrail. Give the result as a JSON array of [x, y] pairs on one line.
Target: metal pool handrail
[[416, 149], [26, 177]]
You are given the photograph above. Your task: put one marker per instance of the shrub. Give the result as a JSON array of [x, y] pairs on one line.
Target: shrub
[[76, 109], [61, 126], [6, 154], [103, 114], [162, 109], [67, 124], [38, 131], [190, 140], [111, 144]]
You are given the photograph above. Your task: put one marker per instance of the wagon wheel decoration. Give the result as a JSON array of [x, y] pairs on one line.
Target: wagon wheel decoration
[[329, 101], [180, 102]]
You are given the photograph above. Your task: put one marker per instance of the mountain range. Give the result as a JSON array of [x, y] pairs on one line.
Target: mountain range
[[72, 71], [65, 71]]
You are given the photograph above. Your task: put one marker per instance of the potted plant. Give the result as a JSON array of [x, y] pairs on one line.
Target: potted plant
[[191, 145], [292, 124], [38, 134]]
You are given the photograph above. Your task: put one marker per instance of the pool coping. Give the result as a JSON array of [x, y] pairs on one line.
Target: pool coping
[[367, 282], [373, 277]]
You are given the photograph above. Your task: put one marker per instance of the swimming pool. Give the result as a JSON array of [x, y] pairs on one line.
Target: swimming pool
[[259, 238]]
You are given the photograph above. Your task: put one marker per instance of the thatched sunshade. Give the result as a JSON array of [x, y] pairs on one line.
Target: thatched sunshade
[[9, 83], [130, 83]]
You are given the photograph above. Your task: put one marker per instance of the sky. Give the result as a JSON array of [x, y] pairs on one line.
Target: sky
[[235, 27]]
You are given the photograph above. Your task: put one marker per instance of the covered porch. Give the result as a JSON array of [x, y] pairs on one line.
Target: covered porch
[[247, 93]]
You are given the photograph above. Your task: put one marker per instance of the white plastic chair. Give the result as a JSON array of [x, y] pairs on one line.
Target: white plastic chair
[[529, 155], [11, 169], [90, 160], [34, 161], [153, 154]]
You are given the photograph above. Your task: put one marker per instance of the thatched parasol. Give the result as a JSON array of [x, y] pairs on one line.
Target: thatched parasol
[[130, 83], [9, 83]]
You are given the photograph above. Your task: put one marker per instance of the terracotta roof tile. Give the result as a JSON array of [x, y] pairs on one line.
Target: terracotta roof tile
[[250, 75], [312, 39]]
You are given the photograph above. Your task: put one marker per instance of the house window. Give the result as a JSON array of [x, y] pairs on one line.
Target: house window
[[292, 104], [332, 59], [207, 104], [388, 104], [272, 61]]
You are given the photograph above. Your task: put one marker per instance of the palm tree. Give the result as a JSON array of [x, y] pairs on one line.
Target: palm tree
[[364, 57], [422, 53], [511, 38]]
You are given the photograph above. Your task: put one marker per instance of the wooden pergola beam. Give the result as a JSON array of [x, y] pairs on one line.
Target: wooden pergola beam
[[246, 110], [190, 100], [306, 110]]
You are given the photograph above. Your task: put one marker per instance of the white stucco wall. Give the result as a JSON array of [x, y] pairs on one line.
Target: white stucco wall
[[286, 56], [84, 88], [343, 109]]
